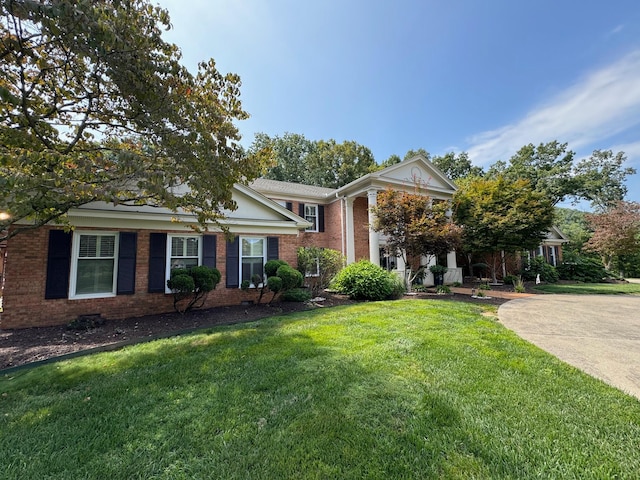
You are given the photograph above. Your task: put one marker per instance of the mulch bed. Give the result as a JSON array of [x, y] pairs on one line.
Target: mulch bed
[[24, 346]]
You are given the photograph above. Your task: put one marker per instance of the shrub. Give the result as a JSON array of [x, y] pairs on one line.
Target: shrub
[[398, 288], [539, 266], [272, 266], [364, 281], [190, 286], [484, 286], [510, 279], [443, 289], [518, 285], [319, 266], [456, 284], [582, 269], [291, 278], [297, 295]]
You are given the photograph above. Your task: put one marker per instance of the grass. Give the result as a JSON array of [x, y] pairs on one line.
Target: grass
[[405, 389], [591, 288]]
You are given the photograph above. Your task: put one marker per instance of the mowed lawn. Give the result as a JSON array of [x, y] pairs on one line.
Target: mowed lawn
[[591, 288], [404, 389]]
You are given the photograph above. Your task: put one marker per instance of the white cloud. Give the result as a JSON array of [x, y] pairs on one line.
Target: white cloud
[[603, 104]]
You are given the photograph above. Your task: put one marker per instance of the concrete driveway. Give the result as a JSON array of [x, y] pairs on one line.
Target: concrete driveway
[[599, 334]]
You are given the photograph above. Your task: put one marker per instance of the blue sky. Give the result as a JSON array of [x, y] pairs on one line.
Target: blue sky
[[486, 77]]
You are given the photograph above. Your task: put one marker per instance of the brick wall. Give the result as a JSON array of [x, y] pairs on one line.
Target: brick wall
[[361, 228], [26, 269]]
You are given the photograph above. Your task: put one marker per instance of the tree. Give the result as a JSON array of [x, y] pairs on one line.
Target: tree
[[574, 225], [500, 215], [190, 286], [601, 178], [95, 106], [319, 266], [551, 170], [415, 227], [392, 160], [289, 156], [547, 167], [458, 166], [412, 153], [616, 232], [334, 165]]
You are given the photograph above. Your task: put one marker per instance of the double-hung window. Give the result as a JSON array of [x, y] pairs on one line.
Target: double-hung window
[[311, 215], [94, 265], [183, 251], [252, 259]]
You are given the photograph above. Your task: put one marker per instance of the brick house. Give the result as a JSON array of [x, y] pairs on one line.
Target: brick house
[[117, 259]]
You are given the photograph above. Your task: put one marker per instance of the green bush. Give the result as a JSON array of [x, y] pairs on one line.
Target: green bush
[[291, 278], [579, 268], [274, 284], [190, 286], [364, 281], [398, 288], [484, 286], [297, 295], [272, 266], [318, 266], [510, 279], [539, 266], [443, 289]]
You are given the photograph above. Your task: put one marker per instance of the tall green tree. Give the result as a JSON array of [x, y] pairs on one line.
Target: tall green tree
[[501, 215], [95, 105], [415, 227], [551, 169], [547, 167], [601, 179], [458, 166], [289, 154], [420, 151], [573, 223], [333, 165]]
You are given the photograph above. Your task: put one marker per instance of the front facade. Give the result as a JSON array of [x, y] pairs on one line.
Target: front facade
[[117, 259]]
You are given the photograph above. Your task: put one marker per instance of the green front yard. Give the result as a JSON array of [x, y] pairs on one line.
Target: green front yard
[[591, 288], [405, 389]]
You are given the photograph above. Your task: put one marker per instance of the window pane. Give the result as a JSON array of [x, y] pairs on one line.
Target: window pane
[[182, 262], [177, 248], [107, 245], [94, 276], [250, 267], [310, 210], [192, 247], [252, 247], [88, 246]]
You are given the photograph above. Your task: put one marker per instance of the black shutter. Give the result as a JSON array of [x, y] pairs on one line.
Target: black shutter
[[157, 259], [58, 263], [209, 251], [301, 209], [233, 259], [272, 248], [321, 218], [290, 206], [127, 263]]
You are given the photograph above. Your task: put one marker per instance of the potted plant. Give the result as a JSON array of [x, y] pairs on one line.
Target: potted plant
[[438, 272]]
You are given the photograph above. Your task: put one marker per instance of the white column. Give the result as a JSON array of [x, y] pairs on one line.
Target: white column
[[451, 260], [351, 250], [374, 238]]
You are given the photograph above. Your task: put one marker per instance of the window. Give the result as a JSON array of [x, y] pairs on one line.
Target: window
[[252, 259], [311, 215], [183, 251], [93, 268]]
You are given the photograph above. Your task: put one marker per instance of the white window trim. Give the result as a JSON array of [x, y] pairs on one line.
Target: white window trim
[[314, 205], [74, 265], [240, 257], [167, 261]]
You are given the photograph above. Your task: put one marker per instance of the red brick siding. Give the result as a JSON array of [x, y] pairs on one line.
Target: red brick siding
[[361, 228], [26, 267]]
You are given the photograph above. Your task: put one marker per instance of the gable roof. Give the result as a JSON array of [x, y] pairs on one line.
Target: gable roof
[[410, 174], [255, 213]]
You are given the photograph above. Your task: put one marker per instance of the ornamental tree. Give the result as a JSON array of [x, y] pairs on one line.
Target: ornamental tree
[[96, 106], [616, 232], [500, 215], [415, 227]]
